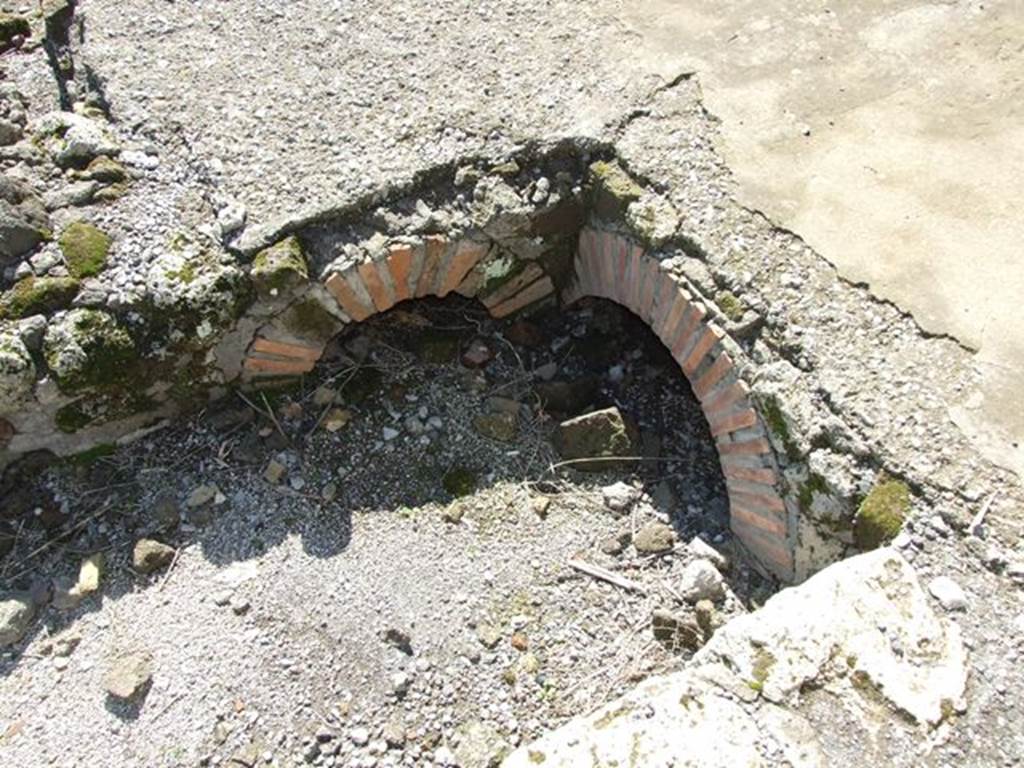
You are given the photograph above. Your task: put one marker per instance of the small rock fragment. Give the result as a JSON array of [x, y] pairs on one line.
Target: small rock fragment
[[16, 614], [703, 551], [700, 580], [400, 639], [275, 472], [948, 593], [129, 676], [619, 497], [90, 573], [150, 555], [202, 495], [654, 537], [676, 632], [477, 355], [497, 426]]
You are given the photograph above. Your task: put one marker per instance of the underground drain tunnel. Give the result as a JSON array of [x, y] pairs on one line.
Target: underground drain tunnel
[[605, 265]]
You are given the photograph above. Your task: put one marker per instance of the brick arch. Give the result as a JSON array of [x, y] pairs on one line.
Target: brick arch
[[606, 265], [609, 266]]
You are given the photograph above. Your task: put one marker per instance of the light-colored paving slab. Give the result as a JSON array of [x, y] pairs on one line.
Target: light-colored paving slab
[[890, 136]]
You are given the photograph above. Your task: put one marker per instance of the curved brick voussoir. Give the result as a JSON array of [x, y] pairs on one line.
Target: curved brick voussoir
[[610, 266]]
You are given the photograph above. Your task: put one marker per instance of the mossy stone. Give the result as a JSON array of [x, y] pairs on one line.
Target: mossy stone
[[612, 189], [37, 295], [85, 249], [282, 265], [104, 169], [309, 319], [730, 305], [597, 441], [881, 514], [87, 350]]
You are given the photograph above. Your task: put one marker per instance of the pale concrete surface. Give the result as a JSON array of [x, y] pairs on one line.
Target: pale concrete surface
[[890, 136]]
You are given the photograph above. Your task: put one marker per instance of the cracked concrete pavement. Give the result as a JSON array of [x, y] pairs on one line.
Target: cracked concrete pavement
[[887, 135]]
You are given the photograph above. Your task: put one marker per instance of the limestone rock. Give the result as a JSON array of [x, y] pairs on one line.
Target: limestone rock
[[22, 226], [654, 537], [90, 574], [948, 593], [87, 349], [150, 555], [17, 371], [700, 580], [587, 439], [480, 746], [73, 139], [129, 676], [16, 614], [917, 665]]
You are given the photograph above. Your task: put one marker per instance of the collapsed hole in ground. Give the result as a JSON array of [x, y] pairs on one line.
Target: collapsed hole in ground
[[409, 486]]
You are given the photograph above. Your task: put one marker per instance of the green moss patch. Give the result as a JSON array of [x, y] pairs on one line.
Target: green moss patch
[[37, 296], [282, 265], [459, 482], [881, 514], [815, 484], [85, 249], [730, 305]]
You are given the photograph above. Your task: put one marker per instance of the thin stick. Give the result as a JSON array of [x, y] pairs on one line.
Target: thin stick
[[605, 575], [569, 462], [979, 519], [174, 562], [50, 542]]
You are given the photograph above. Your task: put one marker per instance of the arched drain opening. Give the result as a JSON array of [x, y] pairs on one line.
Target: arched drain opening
[[395, 552]]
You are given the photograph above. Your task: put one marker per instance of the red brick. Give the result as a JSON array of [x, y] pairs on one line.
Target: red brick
[[527, 296], [665, 291], [530, 273], [689, 332], [734, 421], [347, 298], [606, 250], [712, 335], [746, 448], [282, 349], [769, 548], [707, 380], [764, 498], [619, 287], [375, 286], [769, 521], [726, 398], [467, 254], [435, 245], [750, 474], [400, 265], [262, 365], [645, 293], [669, 326]]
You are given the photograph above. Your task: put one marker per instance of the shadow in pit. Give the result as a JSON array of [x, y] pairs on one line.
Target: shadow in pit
[[432, 400]]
